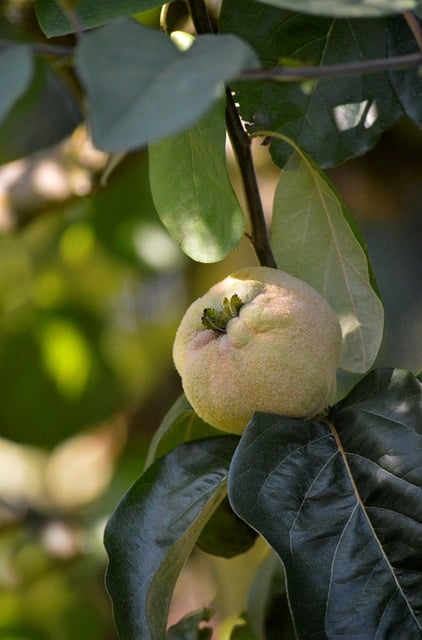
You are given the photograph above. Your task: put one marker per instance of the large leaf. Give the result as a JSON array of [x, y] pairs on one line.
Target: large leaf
[[142, 88], [88, 13], [342, 509], [407, 84], [154, 529], [192, 191], [332, 120], [347, 8], [15, 76], [314, 238]]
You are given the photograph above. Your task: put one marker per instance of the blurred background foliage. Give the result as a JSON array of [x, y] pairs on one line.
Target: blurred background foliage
[[91, 292]]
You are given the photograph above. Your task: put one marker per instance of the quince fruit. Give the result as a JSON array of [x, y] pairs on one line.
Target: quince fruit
[[260, 340]]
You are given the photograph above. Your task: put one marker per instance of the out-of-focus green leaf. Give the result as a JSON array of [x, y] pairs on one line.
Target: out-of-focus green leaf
[[192, 191], [142, 88], [315, 239], [407, 84], [15, 76], [44, 115], [154, 529], [187, 628], [341, 503], [54, 378], [332, 120], [347, 8], [180, 424], [86, 14]]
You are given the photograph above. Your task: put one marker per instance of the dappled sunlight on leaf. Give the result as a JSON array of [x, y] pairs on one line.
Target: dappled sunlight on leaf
[[355, 114]]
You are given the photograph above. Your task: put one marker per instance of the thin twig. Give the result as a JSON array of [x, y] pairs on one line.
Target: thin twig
[[38, 48], [328, 72], [414, 26], [242, 148]]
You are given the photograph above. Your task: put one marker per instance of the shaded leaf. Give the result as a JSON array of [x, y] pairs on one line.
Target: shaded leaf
[[336, 118], [343, 511], [148, 89], [41, 117], [154, 529], [15, 76], [89, 13], [347, 8], [407, 84], [225, 534], [243, 632], [267, 606], [180, 424], [192, 191], [315, 239], [187, 628]]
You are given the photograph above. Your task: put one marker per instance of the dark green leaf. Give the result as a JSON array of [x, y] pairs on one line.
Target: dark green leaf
[[154, 529], [88, 13], [315, 239], [187, 627], [142, 88], [331, 120], [42, 116], [15, 75], [266, 596], [407, 84], [192, 191], [225, 534], [343, 511], [242, 632], [180, 424], [347, 8]]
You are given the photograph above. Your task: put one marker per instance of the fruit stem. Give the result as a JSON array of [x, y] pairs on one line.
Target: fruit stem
[[241, 144], [217, 320]]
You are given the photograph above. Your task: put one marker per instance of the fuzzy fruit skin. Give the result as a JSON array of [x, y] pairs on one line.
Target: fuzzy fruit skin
[[279, 355]]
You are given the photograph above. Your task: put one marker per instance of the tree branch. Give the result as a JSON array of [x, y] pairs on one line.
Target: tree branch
[[414, 26], [328, 72], [242, 149], [38, 48]]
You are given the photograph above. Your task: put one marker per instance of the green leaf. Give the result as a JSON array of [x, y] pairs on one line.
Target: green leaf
[[88, 13], [242, 632], [192, 191], [187, 627], [342, 509], [58, 363], [333, 119], [407, 84], [314, 238], [268, 594], [142, 88], [180, 424], [225, 535], [154, 529], [15, 76], [42, 116], [347, 8]]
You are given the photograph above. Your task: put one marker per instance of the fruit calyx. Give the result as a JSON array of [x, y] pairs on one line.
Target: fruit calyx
[[217, 320]]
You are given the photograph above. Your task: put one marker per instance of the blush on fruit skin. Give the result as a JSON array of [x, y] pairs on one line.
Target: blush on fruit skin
[[279, 354]]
